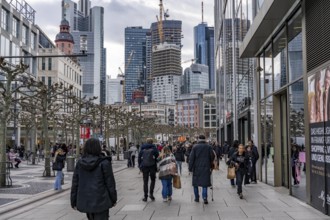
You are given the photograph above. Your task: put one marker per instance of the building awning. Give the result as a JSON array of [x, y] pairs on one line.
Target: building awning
[[268, 18]]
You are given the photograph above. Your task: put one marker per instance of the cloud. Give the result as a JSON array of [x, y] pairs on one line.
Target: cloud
[[119, 14]]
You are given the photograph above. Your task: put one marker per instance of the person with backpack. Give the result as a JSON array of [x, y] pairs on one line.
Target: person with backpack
[[255, 158], [179, 153], [148, 165]]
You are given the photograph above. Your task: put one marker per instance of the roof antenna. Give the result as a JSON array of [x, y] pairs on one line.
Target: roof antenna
[[202, 12]]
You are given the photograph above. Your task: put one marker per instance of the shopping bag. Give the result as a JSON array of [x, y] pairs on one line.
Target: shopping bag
[[177, 182], [231, 174]]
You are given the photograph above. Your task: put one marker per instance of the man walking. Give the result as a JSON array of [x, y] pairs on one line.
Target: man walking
[[148, 165], [255, 158], [200, 163]]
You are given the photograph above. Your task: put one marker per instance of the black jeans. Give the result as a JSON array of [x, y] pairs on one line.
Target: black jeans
[[239, 179], [98, 216], [254, 173], [149, 171], [133, 161]]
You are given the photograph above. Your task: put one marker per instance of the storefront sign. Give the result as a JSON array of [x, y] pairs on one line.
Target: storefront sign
[[319, 116], [85, 132]]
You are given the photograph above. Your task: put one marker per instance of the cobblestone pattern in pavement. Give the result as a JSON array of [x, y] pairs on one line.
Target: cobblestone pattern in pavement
[[261, 202], [28, 181]]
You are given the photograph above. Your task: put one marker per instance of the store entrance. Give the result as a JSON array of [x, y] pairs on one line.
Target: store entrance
[[244, 132]]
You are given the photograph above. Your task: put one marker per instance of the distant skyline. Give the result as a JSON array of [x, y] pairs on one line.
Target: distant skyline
[[120, 14]]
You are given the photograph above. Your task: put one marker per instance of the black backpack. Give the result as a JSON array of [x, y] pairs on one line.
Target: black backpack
[[148, 158]]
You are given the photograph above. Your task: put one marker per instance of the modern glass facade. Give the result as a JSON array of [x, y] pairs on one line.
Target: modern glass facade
[[135, 59], [234, 76], [91, 25], [204, 49], [195, 79], [291, 84]]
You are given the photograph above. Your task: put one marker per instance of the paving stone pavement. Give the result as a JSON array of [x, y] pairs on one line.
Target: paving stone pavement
[[261, 202]]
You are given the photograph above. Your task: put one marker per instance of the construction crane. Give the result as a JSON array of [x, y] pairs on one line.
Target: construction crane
[[160, 22], [190, 60], [122, 74]]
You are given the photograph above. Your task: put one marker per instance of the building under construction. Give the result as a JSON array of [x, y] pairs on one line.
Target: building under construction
[[166, 75], [166, 58]]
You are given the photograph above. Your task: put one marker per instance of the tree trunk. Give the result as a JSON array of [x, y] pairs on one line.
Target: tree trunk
[[33, 139], [47, 171]]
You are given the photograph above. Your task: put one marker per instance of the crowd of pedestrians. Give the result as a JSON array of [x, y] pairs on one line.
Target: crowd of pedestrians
[[94, 189]]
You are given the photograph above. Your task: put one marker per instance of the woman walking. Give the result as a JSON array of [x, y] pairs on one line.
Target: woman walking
[[93, 185], [58, 165], [167, 168], [240, 161], [179, 153]]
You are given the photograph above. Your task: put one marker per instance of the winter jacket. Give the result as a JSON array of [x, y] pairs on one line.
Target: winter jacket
[[179, 154], [164, 171], [60, 160], [93, 185], [241, 160], [200, 162], [146, 147]]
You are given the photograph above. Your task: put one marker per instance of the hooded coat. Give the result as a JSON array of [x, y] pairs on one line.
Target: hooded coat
[[93, 185], [200, 164]]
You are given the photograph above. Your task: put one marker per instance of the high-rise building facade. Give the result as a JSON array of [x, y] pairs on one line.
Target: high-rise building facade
[[114, 90], [290, 99], [166, 61], [135, 60], [204, 49], [166, 73], [195, 79], [172, 32], [89, 24]]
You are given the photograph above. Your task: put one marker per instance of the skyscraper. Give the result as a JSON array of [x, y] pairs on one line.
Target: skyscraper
[[195, 79], [89, 22], [204, 49], [166, 61], [135, 59]]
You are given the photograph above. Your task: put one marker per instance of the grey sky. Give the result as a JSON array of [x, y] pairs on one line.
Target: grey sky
[[124, 13]]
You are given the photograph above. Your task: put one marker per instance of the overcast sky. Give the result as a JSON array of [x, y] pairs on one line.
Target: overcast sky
[[124, 13]]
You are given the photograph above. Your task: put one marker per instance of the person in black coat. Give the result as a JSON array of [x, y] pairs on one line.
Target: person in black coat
[[148, 165], [200, 164], [240, 161], [58, 165], [179, 153], [255, 158], [93, 188]]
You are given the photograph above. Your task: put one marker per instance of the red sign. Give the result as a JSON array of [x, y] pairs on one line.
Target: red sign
[[85, 132]]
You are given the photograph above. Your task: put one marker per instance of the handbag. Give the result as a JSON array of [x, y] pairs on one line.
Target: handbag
[[231, 173], [177, 182]]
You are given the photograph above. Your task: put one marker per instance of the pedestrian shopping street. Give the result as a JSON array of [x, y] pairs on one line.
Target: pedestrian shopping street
[[260, 201]]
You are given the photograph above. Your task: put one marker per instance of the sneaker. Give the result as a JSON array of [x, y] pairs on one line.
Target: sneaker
[[152, 198], [145, 199], [196, 200], [169, 198], [206, 202], [164, 199], [241, 196]]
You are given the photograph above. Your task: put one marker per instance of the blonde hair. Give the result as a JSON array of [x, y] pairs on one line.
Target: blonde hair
[[165, 151]]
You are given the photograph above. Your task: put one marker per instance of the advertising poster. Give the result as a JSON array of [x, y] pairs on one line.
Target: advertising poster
[[319, 116]]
